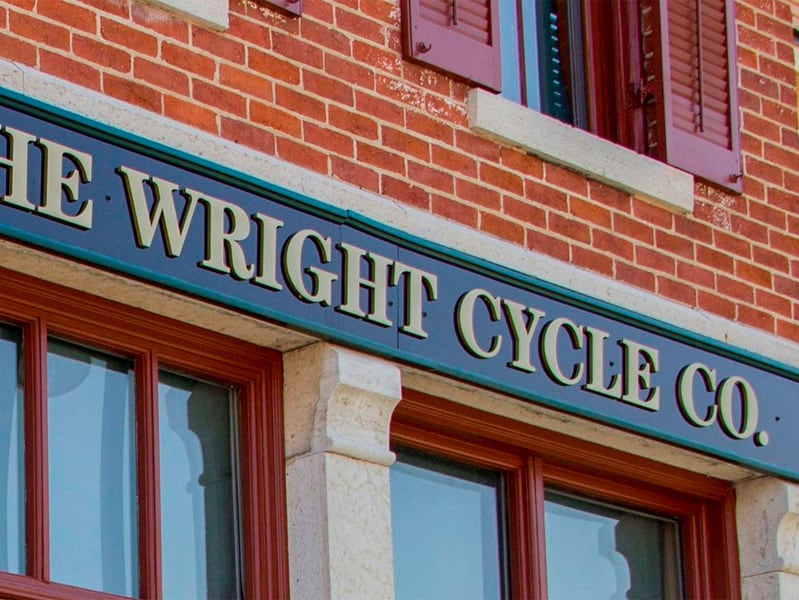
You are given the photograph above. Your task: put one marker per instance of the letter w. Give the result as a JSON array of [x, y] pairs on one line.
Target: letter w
[[163, 213]]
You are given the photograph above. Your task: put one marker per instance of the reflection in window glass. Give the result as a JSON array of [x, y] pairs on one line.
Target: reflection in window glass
[[446, 525], [198, 489], [595, 551], [90, 421], [12, 498]]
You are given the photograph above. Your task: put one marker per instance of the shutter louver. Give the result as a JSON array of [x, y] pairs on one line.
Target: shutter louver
[[700, 99], [457, 36]]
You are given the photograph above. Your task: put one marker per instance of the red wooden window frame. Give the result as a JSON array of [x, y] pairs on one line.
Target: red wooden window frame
[[40, 310], [531, 458]]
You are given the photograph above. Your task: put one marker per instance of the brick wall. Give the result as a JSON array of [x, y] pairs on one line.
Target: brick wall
[[331, 92]]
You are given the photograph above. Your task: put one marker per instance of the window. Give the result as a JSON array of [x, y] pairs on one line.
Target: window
[[141, 458], [484, 507], [657, 76]]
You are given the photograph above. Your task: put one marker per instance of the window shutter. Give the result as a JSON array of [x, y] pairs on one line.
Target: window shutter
[[293, 7], [457, 36], [700, 89]]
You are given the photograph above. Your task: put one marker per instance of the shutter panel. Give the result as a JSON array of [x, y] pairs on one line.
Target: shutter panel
[[700, 85], [293, 7], [457, 36]]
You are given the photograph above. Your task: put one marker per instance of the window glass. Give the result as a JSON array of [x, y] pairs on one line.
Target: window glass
[[198, 489], [596, 552], [12, 500], [90, 421], [446, 524]]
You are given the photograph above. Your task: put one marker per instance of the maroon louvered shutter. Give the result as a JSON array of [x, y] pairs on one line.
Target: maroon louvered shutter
[[457, 36], [700, 85], [293, 7]]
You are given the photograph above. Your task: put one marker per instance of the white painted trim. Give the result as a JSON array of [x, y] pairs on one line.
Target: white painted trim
[[209, 13], [418, 223], [511, 123]]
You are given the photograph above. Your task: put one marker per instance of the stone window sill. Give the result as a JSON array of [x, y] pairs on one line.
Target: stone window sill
[[208, 13], [510, 123]]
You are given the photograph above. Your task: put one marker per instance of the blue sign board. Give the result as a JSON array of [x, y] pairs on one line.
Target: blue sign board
[[122, 203]]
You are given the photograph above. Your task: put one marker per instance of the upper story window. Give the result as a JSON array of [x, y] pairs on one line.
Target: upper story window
[[656, 76], [139, 458]]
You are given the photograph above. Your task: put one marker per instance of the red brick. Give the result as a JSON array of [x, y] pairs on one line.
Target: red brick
[[774, 261], [455, 211], [753, 81], [546, 244], [349, 71], [763, 170], [567, 227], [730, 244], [756, 318], [37, 30], [428, 177], [161, 76], [71, 15], [694, 230], [134, 39], [242, 132], [784, 243], [377, 57], [226, 101], [788, 329], [674, 244], [548, 196], [188, 60], [352, 122], [640, 278], [191, 113], [566, 179], [379, 158], [676, 290], [633, 228], [502, 178], [242, 28], [771, 213], [712, 257], [735, 289], [444, 108], [500, 227], [359, 26], [591, 212], [17, 50], [130, 91], [300, 103], [320, 34], [610, 197], [300, 154], [426, 78], [380, 109], [246, 82], [276, 118], [526, 164], [297, 50], [656, 261], [432, 128], [773, 303], [407, 144], [655, 215], [72, 70], [355, 173], [474, 144], [776, 70], [763, 44], [120, 9], [218, 44], [523, 211], [335, 142], [696, 275], [715, 304], [612, 244], [463, 164], [328, 88], [273, 66], [588, 259], [478, 194], [403, 191]]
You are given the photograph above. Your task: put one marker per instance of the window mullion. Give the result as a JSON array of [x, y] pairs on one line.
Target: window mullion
[[37, 528], [534, 483], [149, 531]]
